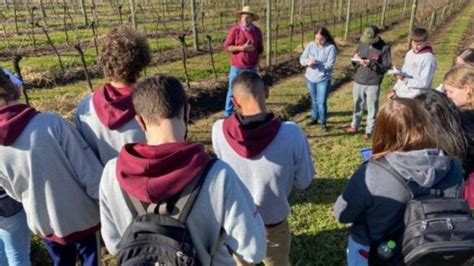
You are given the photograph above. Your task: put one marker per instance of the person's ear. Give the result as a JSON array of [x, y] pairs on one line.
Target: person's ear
[[141, 122], [236, 103]]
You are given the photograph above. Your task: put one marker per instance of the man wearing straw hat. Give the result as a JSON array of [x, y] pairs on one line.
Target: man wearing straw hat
[[245, 43]]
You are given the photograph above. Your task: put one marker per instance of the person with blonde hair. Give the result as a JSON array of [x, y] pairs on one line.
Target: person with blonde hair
[[459, 85], [374, 200]]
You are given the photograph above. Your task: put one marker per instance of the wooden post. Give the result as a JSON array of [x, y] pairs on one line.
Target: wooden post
[[84, 12], [432, 21], [341, 9], [120, 14], [5, 4], [15, 17], [384, 12], [269, 33], [194, 21], [94, 33], [133, 13], [348, 19], [292, 14], [412, 21]]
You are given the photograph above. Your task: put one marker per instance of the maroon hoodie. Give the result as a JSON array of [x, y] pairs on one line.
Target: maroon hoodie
[[426, 49], [13, 119], [157, 173], [249, 143], [113, 106]]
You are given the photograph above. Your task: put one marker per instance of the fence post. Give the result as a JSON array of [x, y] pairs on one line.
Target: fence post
[[195, 30], [384, 11], [348, 20], [412, 21], [269, 33]]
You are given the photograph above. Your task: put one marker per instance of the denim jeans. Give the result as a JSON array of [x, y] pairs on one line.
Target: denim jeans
[[64, 255], [354, 258], [234, 71], [362, 94], [319, 95], [15, 238]]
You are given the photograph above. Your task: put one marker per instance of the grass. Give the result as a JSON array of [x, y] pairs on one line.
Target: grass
[[317, 238]]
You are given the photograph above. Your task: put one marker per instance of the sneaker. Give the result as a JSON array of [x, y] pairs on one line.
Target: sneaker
[[351, 130], [324, 128], [367, 136]]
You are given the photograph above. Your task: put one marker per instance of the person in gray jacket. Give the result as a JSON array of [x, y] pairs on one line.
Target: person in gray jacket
[[224, 217], [373, 201], [372, 59]]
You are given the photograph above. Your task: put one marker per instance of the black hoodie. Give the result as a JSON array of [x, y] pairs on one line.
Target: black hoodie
[[380, 62]]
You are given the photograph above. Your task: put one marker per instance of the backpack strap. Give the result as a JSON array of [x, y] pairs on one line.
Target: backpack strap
[[185, 202], [385, 165]]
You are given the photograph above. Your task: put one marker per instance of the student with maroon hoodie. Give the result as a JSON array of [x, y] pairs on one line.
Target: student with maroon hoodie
[[47, 166], [223, 217], [270, 157], [105, 119]]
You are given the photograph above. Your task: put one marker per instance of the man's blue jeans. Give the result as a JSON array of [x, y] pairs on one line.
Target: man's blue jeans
[[319, 94], [15, 238], [234, 71]]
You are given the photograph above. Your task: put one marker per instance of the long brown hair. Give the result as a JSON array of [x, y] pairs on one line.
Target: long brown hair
[[402, 125]]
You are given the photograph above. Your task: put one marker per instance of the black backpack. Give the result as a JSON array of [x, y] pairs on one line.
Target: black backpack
[[437, 230], [161, 238]]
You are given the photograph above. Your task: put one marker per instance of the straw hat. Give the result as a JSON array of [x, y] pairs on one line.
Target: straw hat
[[246, 10]]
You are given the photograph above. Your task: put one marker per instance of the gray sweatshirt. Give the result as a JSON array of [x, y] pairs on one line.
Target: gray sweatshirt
[[374, 201], [105, 142], [270, 176], [325, 59], [52, 171], [223, 215], [421, 66]]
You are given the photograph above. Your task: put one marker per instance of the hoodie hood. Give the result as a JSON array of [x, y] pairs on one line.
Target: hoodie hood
[[13, 119], [113, 106], [249, 143], [425, 167], [157, 173], [425, 50]]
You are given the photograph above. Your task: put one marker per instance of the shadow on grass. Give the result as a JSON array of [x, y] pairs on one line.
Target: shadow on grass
[[323, 248], [321, 191]]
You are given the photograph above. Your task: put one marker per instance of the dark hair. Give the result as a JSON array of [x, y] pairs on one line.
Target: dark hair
[[467, 55], [251, 81], [323, 31], [419, 35], [124, 53], [402, 125], [446, 120], [159, 97], [8, 90]]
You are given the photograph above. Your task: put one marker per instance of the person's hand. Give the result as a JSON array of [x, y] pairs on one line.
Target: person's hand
[[365, 62], [400, 77], [357, 56], [311, 62], [391, 95], [247, 47]]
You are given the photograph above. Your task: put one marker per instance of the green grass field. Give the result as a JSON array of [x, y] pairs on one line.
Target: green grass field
[[317, 238]]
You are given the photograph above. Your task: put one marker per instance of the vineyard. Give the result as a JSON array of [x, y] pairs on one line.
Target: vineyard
[[53, 45]]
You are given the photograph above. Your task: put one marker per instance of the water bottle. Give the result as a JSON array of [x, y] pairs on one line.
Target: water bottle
[[386, 249]]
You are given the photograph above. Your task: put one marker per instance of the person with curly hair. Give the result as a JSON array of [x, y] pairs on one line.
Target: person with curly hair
[[105, 118]]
